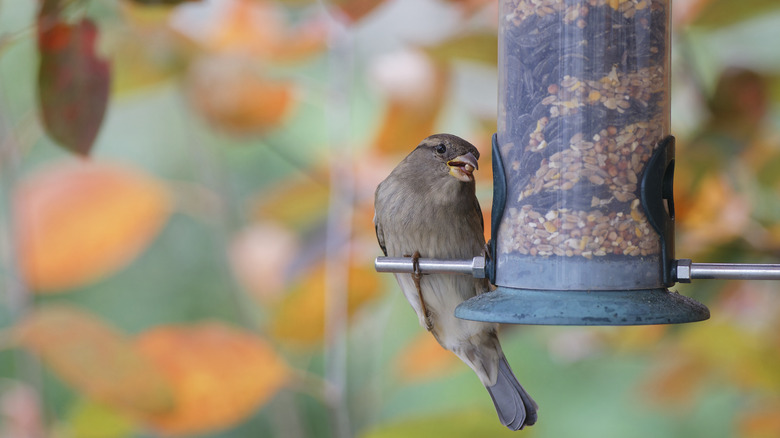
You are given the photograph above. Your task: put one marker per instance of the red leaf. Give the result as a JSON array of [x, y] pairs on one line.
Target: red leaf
[[73, 83], [357, 9]]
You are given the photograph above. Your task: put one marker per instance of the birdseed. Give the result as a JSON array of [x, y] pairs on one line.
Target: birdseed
[[584, 103]]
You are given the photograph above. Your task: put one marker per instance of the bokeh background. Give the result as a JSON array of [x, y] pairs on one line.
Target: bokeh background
[[186, 246]]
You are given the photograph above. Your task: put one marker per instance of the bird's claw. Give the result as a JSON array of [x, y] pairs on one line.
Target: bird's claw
[[428, 323]]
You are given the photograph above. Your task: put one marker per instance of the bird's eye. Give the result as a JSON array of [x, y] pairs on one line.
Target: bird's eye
[[440, 148]]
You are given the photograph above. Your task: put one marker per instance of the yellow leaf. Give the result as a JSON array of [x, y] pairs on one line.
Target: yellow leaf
[[147, 15], [719, 342], [219, 374], [92, 420], [299, 204], [143, 58], [636, 338], [77, 222], [721, 13], [462, 424], [739, 354], [95, 359], [475, 47], [300, 317]]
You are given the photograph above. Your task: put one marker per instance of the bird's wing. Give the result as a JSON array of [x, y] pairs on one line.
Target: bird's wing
[[380, 236], [481, 218]]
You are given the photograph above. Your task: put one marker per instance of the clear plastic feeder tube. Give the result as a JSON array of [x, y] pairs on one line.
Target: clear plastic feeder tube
[[583, 104]]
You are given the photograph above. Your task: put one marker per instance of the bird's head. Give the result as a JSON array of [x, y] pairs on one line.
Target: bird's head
[[451, 155]]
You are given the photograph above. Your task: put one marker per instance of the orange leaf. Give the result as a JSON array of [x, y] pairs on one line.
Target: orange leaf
[[219, 374], [229, 93], [94, 358], [761, 423], [80, 221], [304, 40], [301, 315], [424, 359], [246, 24], [715, 214]]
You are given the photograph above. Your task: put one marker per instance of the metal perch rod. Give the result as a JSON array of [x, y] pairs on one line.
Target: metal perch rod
[[686, 270], [474, 267]]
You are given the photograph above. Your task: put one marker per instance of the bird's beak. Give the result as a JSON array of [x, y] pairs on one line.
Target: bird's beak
[[462, 167]]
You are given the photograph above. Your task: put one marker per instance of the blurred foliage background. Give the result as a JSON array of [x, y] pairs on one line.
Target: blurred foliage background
[[186, 246]]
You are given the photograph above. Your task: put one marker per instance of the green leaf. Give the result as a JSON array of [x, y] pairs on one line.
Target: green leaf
[[93, 420], [773, 82]]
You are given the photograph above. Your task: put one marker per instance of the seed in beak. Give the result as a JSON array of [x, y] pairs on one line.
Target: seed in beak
[[463, 166]]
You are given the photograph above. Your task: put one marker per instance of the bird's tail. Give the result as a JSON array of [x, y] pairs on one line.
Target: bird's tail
[[516, 409]]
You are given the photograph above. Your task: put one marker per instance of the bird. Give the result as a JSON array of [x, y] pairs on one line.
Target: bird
[[427, 207]]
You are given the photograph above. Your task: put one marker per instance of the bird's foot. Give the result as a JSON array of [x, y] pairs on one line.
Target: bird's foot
[[417, 276]]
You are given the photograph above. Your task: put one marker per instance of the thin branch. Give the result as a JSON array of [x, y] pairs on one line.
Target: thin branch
[[296, 163], [339, 225]]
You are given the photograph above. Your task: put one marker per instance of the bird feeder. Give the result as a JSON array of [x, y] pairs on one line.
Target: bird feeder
[[583, 168], [585, 228]]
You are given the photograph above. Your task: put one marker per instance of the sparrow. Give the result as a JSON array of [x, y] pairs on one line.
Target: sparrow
[[427, 207]]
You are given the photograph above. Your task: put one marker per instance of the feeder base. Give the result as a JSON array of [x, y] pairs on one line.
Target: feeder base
[[566, 307]]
